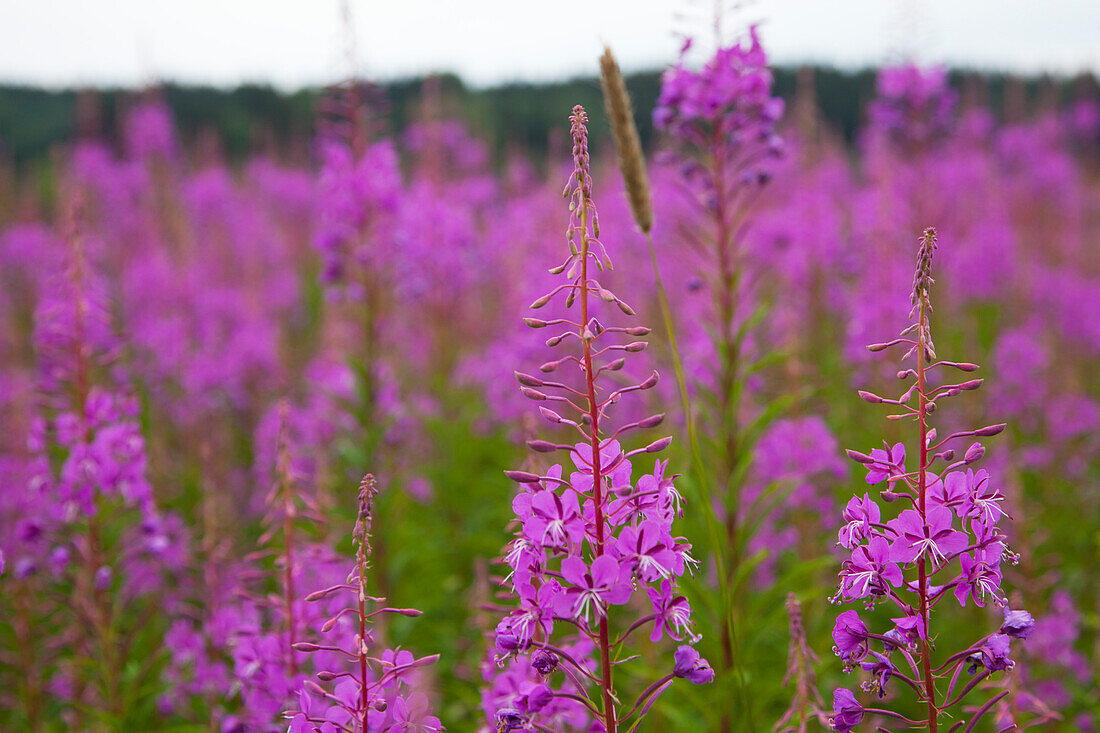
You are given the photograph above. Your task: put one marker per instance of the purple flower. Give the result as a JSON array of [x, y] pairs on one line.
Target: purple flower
[[881, 669], [979, 577], [950, 492], [993, 655], [983, 501], [934, 537], [847, 712], [537, 610], [591, 590], [535, 699], [859, 515], [544, 661], [413, 715], [909, 628], [509, 719], [673, 613], [646, 549], [1017, 624], [888, 462], [868, 571], [850, 638], [103, 577], [691, 666]]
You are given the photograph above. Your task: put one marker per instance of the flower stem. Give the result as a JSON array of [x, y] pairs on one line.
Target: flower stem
[[597, 479], [922, 486]]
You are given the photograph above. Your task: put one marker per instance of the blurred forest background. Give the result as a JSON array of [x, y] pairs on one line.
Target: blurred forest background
[[254, 118]]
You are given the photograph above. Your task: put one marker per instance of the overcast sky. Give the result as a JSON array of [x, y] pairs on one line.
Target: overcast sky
[[291, 43]]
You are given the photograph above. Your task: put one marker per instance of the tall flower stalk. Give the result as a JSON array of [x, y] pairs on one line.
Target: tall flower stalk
[[378, 694], [722, 119], [945, 543], [588, 540], [806, 702]]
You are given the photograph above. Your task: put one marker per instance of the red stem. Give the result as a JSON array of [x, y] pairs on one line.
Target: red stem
[[362, 650], [288, 571], [597, 479], [922, 483]]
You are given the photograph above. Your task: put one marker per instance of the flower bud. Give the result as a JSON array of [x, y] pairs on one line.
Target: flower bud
[[974, 453], [616, 365], [659, 445], [523, 477], [859, 457], [550, 415], [527, 380], [544, 661]]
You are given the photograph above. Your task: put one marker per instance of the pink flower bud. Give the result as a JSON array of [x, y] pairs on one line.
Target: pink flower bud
[[528, 381], [659, 445], [974, 453], [859, 457], [550, 415], [522, 477]]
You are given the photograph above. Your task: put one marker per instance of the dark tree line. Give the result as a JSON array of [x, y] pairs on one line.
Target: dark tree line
[[250, 117]]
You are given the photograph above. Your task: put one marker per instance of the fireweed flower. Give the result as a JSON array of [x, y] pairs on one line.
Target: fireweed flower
[[915, 106], [377, 695], [847, 712], [944, 538], [589, 538], [87, 527], [860, 514], [850, 635], [721, 122]]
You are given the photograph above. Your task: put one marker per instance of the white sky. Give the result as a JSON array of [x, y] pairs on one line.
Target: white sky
[[291, 43]]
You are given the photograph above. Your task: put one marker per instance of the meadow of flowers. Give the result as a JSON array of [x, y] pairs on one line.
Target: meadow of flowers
[[403, 439]]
